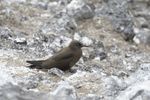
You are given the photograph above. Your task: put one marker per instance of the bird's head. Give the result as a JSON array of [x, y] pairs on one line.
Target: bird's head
[[76, 44]]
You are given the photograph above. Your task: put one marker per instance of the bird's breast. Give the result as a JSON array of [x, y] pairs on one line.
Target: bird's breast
[[78, 53], [77, 56]]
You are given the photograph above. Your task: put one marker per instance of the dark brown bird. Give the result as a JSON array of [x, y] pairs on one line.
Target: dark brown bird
[[64, 59]]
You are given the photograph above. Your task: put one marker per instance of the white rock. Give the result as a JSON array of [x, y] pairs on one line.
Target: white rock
[[12, 1], [91, 97], [136, 30], [136, 40], [77, 36], [97, 59], [142, 36], [53, 4], [112, 85], [56, 71], [20, 40], [78, 9], [74, 78], [5, 76], [86, 41], [137, 91], [75, 4], [64, 92]]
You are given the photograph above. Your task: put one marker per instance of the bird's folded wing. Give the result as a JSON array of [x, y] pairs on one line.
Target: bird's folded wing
[[63, 55]]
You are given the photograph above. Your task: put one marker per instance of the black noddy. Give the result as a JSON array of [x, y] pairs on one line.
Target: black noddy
[[65, 59]]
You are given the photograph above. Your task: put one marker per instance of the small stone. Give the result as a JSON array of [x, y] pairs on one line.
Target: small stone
[[97, 58], [20, 41], [56, 71], [91, 97], [136, 40], [87, 41], [5, 32], [142, 36], [136, 30], [142, 22], [80, 10], [77, 36], [71, 26], [122, 74], [30, 84], [102, 55], [145, 66]]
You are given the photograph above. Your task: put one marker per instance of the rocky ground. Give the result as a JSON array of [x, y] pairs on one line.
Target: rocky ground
[[115, 67]]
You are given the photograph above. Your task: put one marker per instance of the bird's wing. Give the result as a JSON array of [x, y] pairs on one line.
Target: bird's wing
[[34, 62], [63, 55]]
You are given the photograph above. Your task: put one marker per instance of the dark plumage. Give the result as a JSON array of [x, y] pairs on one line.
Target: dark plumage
[[64, 59]]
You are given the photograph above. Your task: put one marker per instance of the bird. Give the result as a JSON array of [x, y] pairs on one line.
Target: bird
[[64, 60]]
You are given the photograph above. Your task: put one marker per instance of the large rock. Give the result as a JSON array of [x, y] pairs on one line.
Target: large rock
[[138, 85], [14, 92], [64, 21], [112, 85], [137, 91], [78, 9], [117, 11]]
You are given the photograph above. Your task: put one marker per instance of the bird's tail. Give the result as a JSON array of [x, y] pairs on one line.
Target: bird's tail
[[35, 64]]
